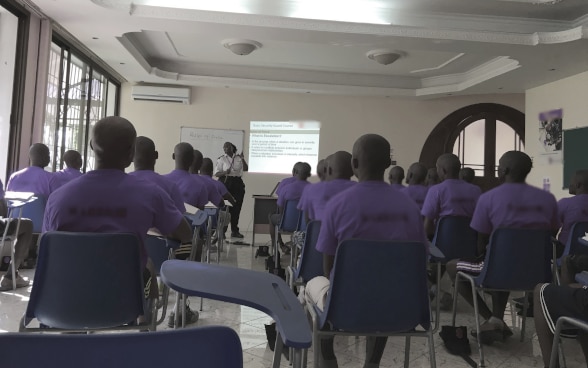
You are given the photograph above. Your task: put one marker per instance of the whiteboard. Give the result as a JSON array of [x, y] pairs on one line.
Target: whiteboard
[[210, 141]]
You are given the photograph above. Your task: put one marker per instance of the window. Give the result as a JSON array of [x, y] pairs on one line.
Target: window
[[78, 95]]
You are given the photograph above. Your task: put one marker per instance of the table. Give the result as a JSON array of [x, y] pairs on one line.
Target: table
[[263, 206], [260, 290]]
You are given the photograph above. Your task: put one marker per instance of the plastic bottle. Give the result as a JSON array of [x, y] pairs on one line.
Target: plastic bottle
[[546, 184]]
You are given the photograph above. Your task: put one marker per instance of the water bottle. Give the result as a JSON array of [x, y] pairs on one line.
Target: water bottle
[[546, 184]]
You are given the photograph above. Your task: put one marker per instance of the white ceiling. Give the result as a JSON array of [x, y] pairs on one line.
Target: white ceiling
[[320, 46]]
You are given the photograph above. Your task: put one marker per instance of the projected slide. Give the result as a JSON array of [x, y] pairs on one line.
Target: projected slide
[[275, 146]]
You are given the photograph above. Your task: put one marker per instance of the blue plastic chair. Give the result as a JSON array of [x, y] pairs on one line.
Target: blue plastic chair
[[34, 211], [573, 246], [516, 260], [311, 260], [288, 224], [87, 281], [208, 347], [455, 238], [562, 322], [378, 288], [159, 250]]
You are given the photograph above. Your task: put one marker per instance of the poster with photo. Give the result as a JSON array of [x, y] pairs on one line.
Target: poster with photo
[[550, 131]]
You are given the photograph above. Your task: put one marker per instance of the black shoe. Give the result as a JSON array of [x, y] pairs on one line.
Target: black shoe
[[191, 317], [237, 235]]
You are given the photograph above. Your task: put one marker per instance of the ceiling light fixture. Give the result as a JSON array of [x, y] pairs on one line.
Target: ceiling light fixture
[[241, 46], [385, 57]]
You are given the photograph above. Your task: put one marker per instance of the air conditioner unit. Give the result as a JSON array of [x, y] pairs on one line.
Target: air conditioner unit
[[165, 94]]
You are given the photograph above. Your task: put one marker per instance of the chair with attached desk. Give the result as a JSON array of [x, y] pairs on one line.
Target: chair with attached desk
[[311, 260], [208, 347], [378, 288], [88, 281], [516, 260], [289, 222]]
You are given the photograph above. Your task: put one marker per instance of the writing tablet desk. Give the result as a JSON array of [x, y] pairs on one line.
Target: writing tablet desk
[[260, 290], [263, 206]]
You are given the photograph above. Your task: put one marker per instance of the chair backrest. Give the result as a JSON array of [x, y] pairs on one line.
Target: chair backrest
[[455, 238], [158, 250], [302, 224], [209, 346], [87, 281], [378, 286], [290, 217], [517, 259], [34, 211], [573, 246], [311, 260]]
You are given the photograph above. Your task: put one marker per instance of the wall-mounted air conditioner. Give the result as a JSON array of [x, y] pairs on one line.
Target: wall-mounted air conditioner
[[165, 94]]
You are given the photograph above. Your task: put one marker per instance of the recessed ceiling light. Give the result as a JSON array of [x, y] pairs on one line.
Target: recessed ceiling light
[[241, 46], [385, 57]]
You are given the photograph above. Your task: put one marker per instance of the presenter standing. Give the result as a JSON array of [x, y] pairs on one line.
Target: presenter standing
[[229, 170]]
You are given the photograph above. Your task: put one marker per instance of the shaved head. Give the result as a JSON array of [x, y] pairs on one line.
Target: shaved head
[[183, 156], [432, 177], [113, 143], [371, 157], [303, 171], [39, 155], [579, 182], [396, 175], [417, 173], [145, 154], [467, 174], [321, 169], [448, 166], [73, 159], [197, 162], [340, 166], [207, 167], [514, 166]]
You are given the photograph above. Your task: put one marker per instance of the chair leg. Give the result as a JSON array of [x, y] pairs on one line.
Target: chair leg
[[477, 316], [432, 357], [524, 322], [406, 351], [455, 295], [276, 250], [278, 351]]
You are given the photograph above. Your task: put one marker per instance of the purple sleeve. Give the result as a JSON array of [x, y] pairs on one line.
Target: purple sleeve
[[481, 220], [281, 200], [49, 223], [166, 216], [221, 188], [303, 202], [431, 205], [555, 221], [202, 197], [561, 209], [327, 241], [176, 196]]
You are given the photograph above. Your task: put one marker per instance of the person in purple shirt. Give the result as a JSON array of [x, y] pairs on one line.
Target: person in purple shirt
[[416, 189], [292, 191], [513, 204], [288, 180], [192, 189], [73, 162], [452, 197], [316, 196], [206, 172], [34, 178], [321, 169], [467, 174], [390, 215], [21, 249], [432, 177], [144, 162], [214, 196], [573, 209], [396, 176], [118, 202]]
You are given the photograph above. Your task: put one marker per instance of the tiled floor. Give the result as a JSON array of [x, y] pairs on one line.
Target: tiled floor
[[249, 323]]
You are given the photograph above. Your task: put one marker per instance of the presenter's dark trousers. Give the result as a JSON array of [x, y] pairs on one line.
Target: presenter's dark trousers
[[236, 187]]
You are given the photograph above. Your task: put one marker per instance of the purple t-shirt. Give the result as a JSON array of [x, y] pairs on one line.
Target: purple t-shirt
[[315, 196], [110, 201], [571, 210], [417, 193], [452, 197], [515, 205], [167, 185], [213, 194], [215, 186], [291, 191], [64, 176], [397, 186], [31, 179], [192, 189], [283, 183], [370, 210]]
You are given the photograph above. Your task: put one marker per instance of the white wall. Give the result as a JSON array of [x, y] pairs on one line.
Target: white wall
[[406, 123], [571, 95], [8, 32]]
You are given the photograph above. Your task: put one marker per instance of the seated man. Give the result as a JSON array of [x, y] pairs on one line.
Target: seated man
[[73, 162], [214, 196], [288, 180], [23, 240], [191, 188], [316, 196], [321, 170], [467, 174], [89, 204], [416, 189], [573, 209], [513, 204], [432, 177], [551, 302], [206, 171], [292, 191], [396, 176], [452, 197], [34, 178], [346, 216]]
